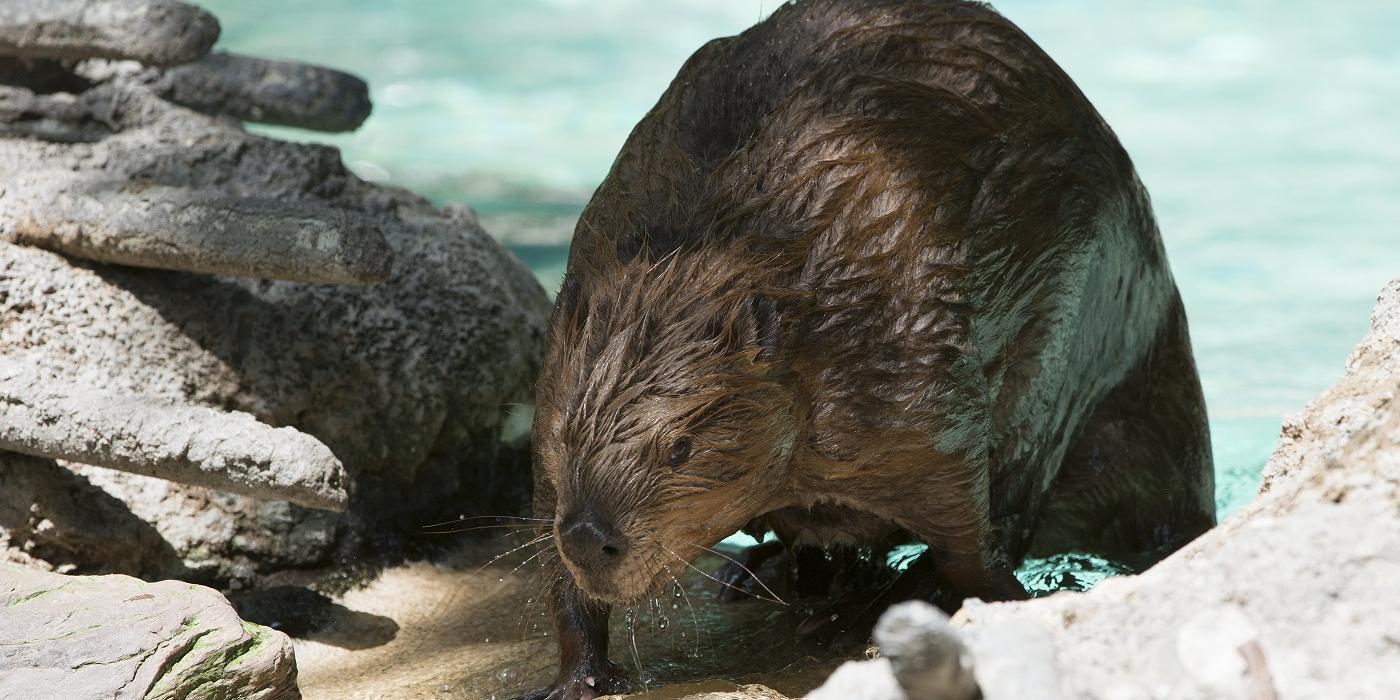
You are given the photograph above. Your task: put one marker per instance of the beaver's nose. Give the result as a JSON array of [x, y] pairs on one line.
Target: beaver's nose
[[591, 543]]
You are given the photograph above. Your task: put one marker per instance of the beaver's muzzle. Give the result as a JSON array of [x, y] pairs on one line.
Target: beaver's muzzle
[[591, 543]]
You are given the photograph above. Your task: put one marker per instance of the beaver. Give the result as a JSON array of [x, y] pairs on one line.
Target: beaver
[[867, 267]]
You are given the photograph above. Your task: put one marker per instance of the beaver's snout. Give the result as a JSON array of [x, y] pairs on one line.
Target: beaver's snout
[[591, 543]]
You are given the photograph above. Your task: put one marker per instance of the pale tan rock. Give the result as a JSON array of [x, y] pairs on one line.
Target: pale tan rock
[[117, 637]]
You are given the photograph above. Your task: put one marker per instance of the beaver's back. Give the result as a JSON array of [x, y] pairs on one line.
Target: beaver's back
[[936, 83], [978, 259]]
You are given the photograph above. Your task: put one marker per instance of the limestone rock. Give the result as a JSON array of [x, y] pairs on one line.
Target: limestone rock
[[158, 32], [118, 637], [52, 518], [861, 680], [46, 417], [1293, 595], [419, 385], [136, 181]]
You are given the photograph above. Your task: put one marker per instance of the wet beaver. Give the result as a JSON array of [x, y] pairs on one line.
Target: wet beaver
[[866, 267]]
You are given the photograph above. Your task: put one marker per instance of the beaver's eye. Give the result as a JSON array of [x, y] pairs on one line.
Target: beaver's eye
[[679, 452]]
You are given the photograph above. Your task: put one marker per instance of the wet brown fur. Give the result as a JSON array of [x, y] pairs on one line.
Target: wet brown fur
[[885, 265]]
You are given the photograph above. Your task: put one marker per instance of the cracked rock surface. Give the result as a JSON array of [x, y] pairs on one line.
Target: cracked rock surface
[[116, 637]]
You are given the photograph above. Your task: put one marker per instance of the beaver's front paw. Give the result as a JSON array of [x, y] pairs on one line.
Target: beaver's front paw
[[583, 683]]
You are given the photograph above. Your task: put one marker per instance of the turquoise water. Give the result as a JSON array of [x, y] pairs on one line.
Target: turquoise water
[[1266, 132]]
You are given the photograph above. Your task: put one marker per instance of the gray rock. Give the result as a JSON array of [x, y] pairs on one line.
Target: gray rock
[[270, 92], [118, 637], [1294, 595], [158, 32], [46, 417], [129, 191], [861, 680], [413, 384], [52, 518], [927, 658]]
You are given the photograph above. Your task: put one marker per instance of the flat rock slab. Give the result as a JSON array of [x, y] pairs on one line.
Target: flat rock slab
[[80, 637], [269, 91], [44, 417], [157, 32]]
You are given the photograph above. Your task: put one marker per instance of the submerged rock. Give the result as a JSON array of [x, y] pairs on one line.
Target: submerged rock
[[1294, 596], [118, 637]]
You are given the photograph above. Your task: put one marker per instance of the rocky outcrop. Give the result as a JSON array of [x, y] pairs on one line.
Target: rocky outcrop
[[1293, 596], [189, 444], [118, 175], [237, 315], [118, 637]]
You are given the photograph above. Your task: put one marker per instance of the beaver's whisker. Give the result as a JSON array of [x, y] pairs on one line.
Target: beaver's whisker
[[527, 561], [455, 521], [517, 528], [746, 569], [712, 578], [537, 540]]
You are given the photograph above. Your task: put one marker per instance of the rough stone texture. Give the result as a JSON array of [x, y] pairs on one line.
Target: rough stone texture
[[46, 417], [267, 91], [52, 518], [158, 32], [1295, 594], [411, 383], [118, 637], [129, 189]]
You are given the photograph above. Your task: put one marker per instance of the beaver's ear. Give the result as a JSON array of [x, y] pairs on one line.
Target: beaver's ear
[[763, 313], [566, 304]]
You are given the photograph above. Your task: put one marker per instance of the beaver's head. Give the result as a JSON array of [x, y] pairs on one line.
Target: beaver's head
[[662, 422]]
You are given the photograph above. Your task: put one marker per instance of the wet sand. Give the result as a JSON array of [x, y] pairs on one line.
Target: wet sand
[[452, 629]]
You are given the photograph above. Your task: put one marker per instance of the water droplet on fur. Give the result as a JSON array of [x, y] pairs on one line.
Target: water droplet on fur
[[663, 622], [507, 675]]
